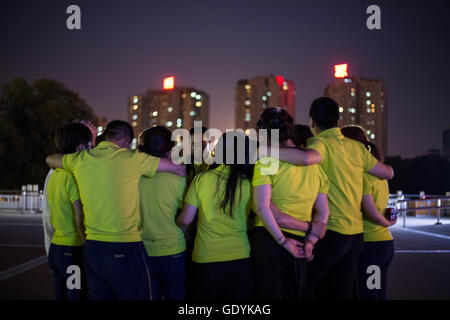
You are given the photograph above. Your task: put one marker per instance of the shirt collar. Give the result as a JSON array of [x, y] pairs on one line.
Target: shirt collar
[[332, 132]]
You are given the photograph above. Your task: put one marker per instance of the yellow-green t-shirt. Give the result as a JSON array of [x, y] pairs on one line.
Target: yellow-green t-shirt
[[294, 188], [219, 236], [160, 198], [108, 181], [379, 190], [344, 161], [62, 192]]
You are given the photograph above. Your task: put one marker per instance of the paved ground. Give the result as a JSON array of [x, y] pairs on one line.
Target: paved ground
[[420, 269]]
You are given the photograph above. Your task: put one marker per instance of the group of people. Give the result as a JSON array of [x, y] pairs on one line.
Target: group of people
[[142, 227]]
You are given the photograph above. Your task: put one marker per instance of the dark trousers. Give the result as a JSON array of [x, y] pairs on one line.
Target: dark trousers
[[379, 253], [59, 260], [279, 275], [332, 272], [168, 276], [116, 270], [228, 280]]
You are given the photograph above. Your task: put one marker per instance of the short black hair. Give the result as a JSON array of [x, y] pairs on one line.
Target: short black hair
[[117, 129], [156, 141], [72, 135], [324, 112]]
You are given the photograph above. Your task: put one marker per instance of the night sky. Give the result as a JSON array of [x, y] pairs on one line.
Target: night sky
[[126, 47]]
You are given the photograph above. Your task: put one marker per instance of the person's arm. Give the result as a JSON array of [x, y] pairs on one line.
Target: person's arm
[[166, 165], [261, 197], [371, 213], [79, 218], [286, 221], [55, 161], [382, 171], [299, 157], [186, 216], [321, 213]]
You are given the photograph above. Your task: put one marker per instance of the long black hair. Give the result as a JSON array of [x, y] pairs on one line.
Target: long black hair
[[357, 133], [227, 143], [156, 141]]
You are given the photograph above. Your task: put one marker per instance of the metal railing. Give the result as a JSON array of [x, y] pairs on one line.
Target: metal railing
[[29, 200], [421, 205]]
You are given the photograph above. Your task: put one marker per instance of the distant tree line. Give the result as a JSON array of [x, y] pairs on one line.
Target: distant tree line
[[429, 173], [30, 115]]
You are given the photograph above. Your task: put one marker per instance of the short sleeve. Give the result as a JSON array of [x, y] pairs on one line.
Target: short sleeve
[[370, 162], [324, 181], [367, 185], [69, 161], [261, 176], [315, 144], [192, 193], [146, 164], [72, 188]]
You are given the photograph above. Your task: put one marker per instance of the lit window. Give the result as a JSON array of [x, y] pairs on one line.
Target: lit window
[[192, 113], [193, 94], [179, 123], [134, 124], [372, 136], [198, 97], [368, 131], [368, 110], [247, 131], [367, 94], [341, 109], [247, 117], [183, 95], [169, 123], [198, 104], [135, 107], [269, 93], [135, 100], [99, 130], [264, 106], [247, 102], [155, 113], [135, 117], [247, 87], [170, 109], [264, 98], [368, 102], [352, 94], [285, 86]]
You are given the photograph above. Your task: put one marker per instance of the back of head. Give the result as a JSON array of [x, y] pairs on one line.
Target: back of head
[[238, 144], [324, 112], [117, 130], [301, 135], [357, 133], [71, 136], [156, 141], [277, 118]]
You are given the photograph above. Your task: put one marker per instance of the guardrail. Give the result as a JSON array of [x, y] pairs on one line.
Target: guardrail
[[430, 205], [29, 200]]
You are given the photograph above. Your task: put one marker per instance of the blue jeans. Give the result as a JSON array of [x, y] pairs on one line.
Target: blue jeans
[[168, 276], [116, 270], [59, 259]]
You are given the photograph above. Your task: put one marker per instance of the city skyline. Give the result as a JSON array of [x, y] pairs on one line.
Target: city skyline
[[129, 47]]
